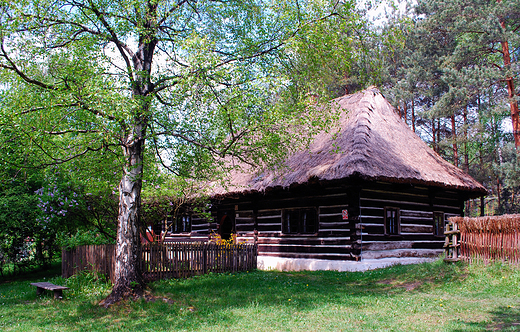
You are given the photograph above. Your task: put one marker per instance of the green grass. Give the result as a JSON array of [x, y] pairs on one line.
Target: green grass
[[426, 297]]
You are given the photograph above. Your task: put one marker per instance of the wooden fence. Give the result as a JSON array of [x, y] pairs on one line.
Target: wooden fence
[[490, 238], [168, 260], [99, 258], [181, 260]]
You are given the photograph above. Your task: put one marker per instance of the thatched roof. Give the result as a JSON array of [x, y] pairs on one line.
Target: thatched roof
[[373, 143]]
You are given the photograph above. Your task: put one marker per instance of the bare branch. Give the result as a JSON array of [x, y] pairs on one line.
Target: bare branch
[[70, 131], [171, 11], [36, 109], [12, 66], [122, 47]]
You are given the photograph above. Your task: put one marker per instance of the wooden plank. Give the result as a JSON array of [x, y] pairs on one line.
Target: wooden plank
[[349, 256]]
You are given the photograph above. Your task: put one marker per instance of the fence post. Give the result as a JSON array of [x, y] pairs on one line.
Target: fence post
[[204, 258], [451, 244]]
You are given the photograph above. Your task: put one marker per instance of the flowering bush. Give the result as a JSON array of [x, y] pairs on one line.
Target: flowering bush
[[217, 238], [58, 203]]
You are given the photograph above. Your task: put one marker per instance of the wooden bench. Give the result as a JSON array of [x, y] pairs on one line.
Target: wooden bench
[[58, 290]]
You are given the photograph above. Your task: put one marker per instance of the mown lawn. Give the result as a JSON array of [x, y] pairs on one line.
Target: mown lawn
[[426, 297]]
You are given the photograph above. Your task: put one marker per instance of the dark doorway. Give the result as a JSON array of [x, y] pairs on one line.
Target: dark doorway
[[227, 224]]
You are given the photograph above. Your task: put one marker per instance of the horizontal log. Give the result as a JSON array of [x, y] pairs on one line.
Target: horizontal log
[[416, 213], [269, 228], [338, 224], [393, 202], [398, 253], [199, 226], [305, 241], [401, 237], [407, 228], [269, 213], [297, 236], [371, 210], [334, 233], [373, 219], [389, 192], [416, 220], [245, 228], [349, 256], [334, 209], [339, 214], [304, 248], [273, 217], [451, 232], [447, 208], [244, 219], [245, 213], [332, 218]]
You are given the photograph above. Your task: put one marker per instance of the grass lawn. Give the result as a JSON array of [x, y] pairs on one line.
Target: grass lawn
[[426, 297]]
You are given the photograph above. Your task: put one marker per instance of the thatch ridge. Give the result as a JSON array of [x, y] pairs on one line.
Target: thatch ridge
[[373, 143]]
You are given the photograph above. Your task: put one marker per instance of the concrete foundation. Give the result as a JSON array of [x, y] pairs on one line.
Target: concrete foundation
[[304, 264]]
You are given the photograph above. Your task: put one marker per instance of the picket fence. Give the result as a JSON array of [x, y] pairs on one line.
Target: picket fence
[[167, 260], [95, 258]]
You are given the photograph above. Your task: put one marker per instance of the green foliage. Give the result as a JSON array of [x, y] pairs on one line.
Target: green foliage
[[82, 237]]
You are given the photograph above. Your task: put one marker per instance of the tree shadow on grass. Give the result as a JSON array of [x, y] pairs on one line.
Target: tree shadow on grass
[[222, 300], [214, 299], [504, 318]]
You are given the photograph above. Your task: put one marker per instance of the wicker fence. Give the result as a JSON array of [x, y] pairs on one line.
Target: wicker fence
[[168, 260], [490, 238]]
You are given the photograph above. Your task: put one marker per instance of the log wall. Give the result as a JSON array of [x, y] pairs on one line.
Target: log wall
[[258, 218], [416, 206]]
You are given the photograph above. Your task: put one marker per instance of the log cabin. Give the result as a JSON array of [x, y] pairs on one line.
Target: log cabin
[[375, 190]]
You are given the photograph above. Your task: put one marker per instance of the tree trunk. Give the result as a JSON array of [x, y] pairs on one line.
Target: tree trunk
[[515, 118], [128, 276], [405, 111], [434, 136], [438, 134], [454, 138], [498, 191], [413, 115], [466, 155]]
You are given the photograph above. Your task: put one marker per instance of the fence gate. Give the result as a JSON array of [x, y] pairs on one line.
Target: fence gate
[[451, 244]]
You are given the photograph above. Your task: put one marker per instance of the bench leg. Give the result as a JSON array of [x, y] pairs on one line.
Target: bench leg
[[39, 290], [58, 294]]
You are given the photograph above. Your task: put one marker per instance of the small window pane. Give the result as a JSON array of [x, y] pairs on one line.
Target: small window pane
[[438, 223], [291, 221], [300, 221], [391, 221], [308, 221], [182, 224]]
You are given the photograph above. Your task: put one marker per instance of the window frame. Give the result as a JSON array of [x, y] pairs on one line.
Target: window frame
[[176, 223], [300, 223], [397, 221], [443, 221]]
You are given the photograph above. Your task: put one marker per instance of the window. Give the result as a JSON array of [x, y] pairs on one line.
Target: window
[[392, 225], [299, 221], [438, 223], [182, 224]]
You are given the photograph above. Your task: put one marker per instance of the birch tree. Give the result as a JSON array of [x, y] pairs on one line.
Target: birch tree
[[191, 81]]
